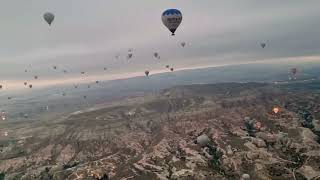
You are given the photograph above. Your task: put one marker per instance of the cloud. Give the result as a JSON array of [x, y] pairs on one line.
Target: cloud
[[17, 85]]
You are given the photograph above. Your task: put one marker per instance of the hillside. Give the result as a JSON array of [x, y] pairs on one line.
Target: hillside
[[153, 136]]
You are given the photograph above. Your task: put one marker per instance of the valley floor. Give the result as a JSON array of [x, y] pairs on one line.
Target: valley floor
[[153, 137]]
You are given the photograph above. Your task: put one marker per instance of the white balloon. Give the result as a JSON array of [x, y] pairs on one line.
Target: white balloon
[[245, 177], [203, 140]]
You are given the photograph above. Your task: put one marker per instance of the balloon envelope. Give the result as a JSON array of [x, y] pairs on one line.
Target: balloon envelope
[[48, 17], [156, 54], [245, 177], [172, 18], [147, 73], [257, 125], [129, 56], [276, 110], [203, 140], [294, 71]]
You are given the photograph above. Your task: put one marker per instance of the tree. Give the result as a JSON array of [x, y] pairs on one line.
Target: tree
[[216, 155], [2, 176]]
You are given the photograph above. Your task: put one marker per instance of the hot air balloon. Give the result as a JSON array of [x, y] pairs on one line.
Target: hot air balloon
[[156, 55], [147, 73], [35, 77], [30, 86], [183, 44], [263, 45], [276, 110], [26, 116], [167, 66], [97, 82], [293, 73], [257, 125], [54, 67], [130, 55], [171, 69], [203, 140], [25, 83], [245, 177], [48, 17], [172, 18], [3, 115]]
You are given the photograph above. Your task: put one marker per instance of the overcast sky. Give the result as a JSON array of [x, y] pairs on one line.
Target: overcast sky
[[86, 35]]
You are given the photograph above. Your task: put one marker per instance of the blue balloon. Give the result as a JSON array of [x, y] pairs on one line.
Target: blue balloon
[[172, 18]]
